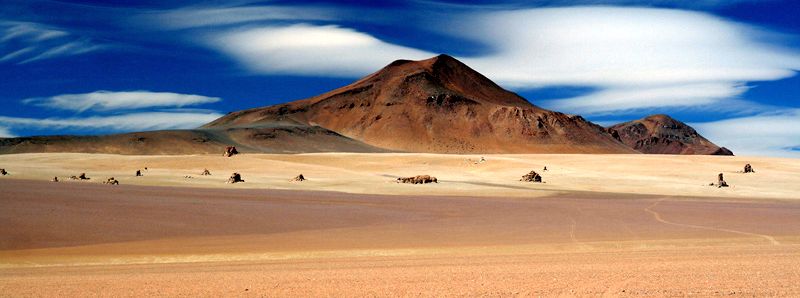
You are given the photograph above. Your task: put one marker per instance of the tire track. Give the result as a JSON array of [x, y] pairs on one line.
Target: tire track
[[658, 217]]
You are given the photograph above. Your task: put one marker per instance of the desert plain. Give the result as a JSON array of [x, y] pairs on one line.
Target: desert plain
[[600, 225]]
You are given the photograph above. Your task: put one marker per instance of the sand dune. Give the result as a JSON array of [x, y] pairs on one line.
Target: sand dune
[[364, 173]]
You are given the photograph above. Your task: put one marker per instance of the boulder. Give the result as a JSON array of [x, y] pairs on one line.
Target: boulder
[[82, 176], [111, 181], [721, 181], [206, 173], [748, 169], [3, 172], [298, 178], [531, 177], [235, 178], [230, 151], [419, 179]]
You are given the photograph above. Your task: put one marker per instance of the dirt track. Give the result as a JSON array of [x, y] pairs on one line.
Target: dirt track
[[72, 238]]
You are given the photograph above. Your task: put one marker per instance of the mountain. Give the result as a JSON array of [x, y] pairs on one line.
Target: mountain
[[435, 105], [661, 134], [263, 139]]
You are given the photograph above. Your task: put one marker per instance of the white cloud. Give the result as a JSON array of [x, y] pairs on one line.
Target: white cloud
[[621, 46], [108, 100], [638, 98], [117, 123], [773, 134], [5, 133], [311, 50], [24, 42], [220, 16]]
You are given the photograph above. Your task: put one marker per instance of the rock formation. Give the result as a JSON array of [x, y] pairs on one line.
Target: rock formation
[[531, 177], [230, 151], [82, 176], [419, 179], [235, 178]]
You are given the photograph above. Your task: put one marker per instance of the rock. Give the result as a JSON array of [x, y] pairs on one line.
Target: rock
[[531, 177], [748, 169], [111, 181], [206, 173], [419, 179], [298, 178], [138, 173], [3, 172], [82, 176], [230, 151], [721, 181], [235, 178]]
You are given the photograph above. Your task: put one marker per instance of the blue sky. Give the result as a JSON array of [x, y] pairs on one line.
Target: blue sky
[[90, 67]]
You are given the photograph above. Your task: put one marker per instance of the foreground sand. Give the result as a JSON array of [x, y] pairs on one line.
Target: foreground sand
[[672, 175], [79, 239]]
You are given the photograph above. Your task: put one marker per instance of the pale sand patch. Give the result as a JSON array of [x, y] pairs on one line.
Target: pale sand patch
[[374, 173]]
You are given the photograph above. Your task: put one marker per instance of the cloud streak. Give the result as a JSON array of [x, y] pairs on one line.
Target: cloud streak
[[125, 100], [117, 123], [25, 42], [772, 134], [305, 49], [5, 133]]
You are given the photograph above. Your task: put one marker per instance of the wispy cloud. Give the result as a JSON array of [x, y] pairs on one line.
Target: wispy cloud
[[619, 99], [115, 101], [117, 123], [311, 50], [770, 134], [25, 42], [5, 133], [195, 17]]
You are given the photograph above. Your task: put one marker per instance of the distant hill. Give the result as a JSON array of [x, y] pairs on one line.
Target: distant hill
[[661, 134], [275, 139]]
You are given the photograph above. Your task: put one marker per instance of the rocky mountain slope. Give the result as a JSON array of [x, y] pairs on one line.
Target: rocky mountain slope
[[435, 105], [661, 134]]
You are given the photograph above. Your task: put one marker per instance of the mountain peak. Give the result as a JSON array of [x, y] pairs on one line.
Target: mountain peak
[[437, 104], [663, 134]]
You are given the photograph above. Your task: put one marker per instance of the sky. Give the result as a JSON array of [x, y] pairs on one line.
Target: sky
[[728, 68]]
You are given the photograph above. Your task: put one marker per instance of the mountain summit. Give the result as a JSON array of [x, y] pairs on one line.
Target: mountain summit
[[661, 134], [435, 105]]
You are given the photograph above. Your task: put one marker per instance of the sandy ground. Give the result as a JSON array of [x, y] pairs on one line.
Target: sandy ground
[[672, 175], [79, 239]]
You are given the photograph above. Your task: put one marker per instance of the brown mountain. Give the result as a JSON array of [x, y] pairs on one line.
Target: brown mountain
[[435, 105], [661, 134], [264, 139]]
